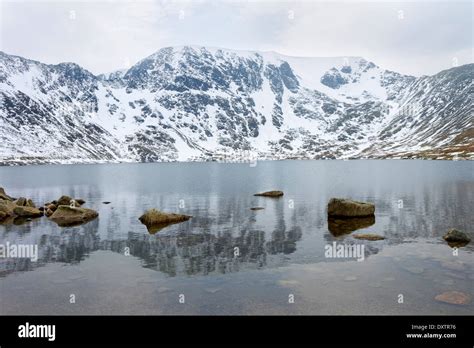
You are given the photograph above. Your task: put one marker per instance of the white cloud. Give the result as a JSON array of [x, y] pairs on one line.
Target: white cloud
[[108, 35]]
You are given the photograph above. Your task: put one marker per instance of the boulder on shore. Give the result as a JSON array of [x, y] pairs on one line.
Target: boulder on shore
[[270, 194], [347, 208], [71, 216], [27, 212], [456, 238], [154, 219]]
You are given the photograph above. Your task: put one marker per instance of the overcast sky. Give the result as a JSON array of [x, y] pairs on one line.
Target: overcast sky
[[417, 37]]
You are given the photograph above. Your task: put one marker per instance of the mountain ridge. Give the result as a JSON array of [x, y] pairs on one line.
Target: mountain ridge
[[187, 103]]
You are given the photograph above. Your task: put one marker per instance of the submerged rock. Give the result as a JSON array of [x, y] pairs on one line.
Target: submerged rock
[[368, 236], [454, 297], [106, 202], [413, 269], [270, 194], [338, 226], [27, 212], [339, 207], [453, 265], [257, 208], [71, 216], [456, 238], [155, 220]]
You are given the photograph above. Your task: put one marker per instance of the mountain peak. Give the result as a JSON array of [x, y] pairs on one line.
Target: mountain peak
[[198, 103]]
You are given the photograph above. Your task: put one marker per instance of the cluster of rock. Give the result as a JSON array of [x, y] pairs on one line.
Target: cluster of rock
[[346, 216], [17, 208], [65, 211], [156, 220], [51, 207]]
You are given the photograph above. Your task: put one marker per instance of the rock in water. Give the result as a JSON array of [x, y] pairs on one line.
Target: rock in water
[[270, 194], [456, 238], [21, 201], [27, 212], [80, 201], [71, 216], [4, 196], [29, 203], [155, 220], [257, 208], [7, 207], [368, 236], [64, 200], [454, 297], [338, 207]]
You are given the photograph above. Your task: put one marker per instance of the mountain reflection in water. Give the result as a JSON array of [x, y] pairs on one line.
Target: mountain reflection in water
[[224, 235]]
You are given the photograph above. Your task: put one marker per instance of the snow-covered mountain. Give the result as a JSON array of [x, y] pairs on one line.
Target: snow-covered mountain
[[198, 103]]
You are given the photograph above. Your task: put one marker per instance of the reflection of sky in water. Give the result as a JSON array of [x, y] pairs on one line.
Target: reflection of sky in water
[[285, 240]]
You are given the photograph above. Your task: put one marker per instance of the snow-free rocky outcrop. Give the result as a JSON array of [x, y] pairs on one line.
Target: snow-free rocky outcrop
[[198, 103]]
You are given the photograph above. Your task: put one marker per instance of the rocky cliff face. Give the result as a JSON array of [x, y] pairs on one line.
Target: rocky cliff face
[[197, 103]]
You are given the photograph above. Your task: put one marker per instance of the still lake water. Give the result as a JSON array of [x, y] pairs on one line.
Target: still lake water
[[281, 248]]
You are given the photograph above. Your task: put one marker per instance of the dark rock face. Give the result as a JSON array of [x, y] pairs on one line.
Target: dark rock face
[[333, 79], [346, 208]]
